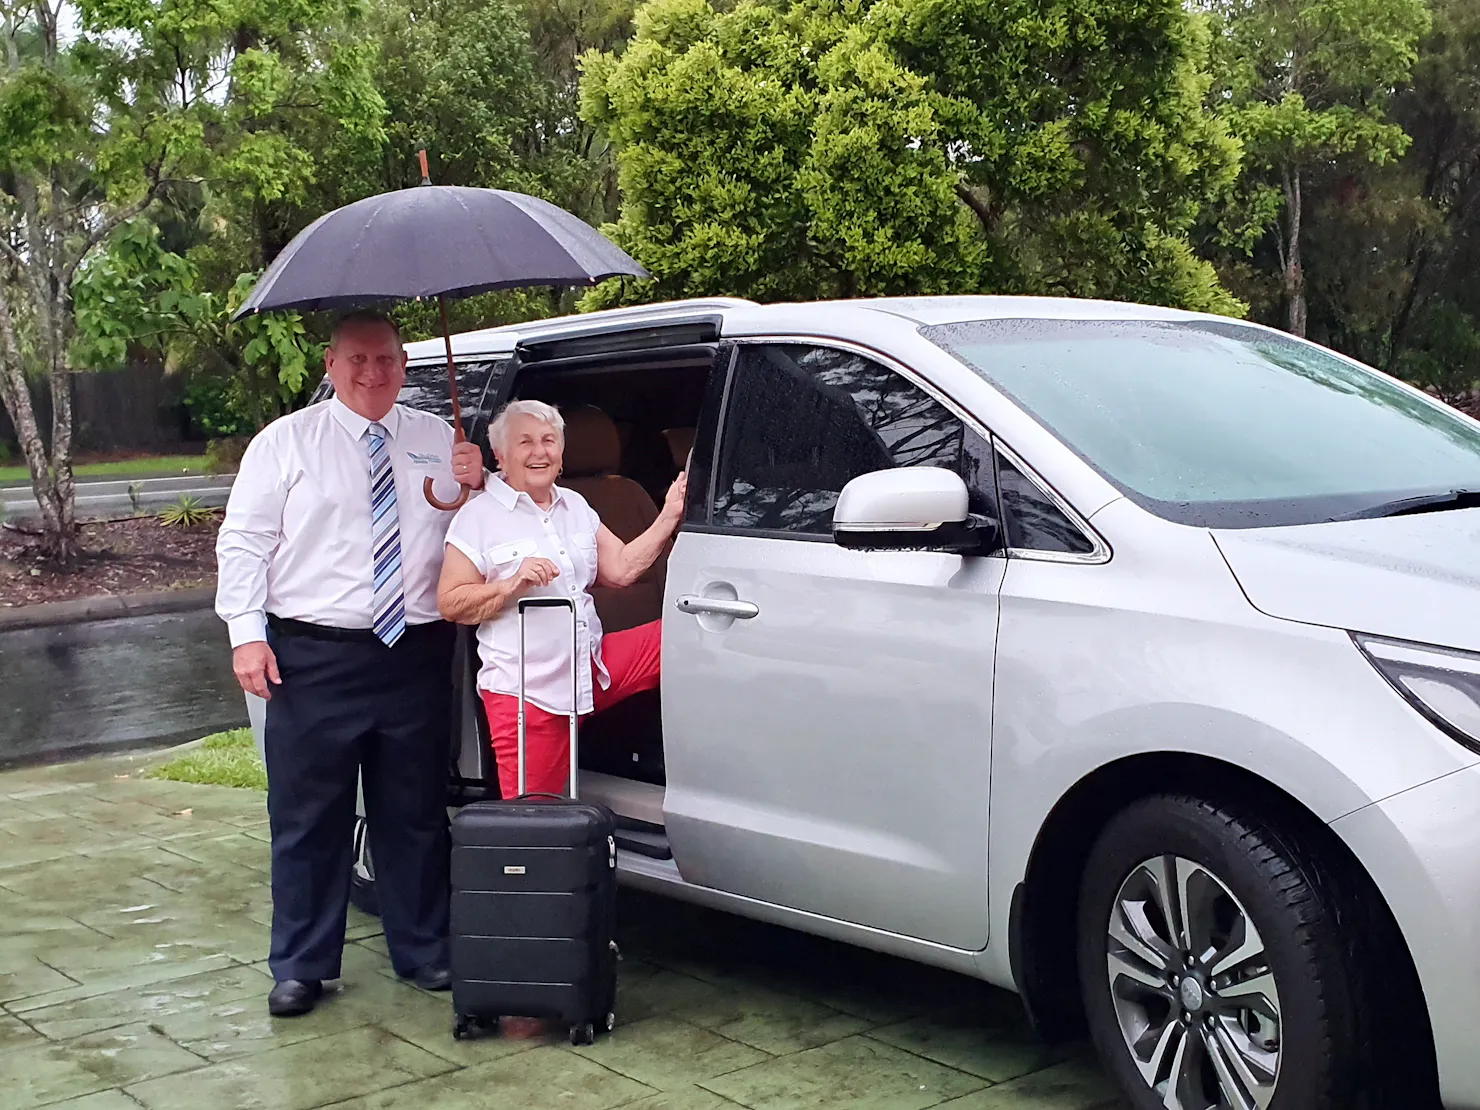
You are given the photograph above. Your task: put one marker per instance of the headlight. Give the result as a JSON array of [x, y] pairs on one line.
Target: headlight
[[1442, 684]]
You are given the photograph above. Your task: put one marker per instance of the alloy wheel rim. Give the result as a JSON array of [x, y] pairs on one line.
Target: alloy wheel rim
[[1193, 992]]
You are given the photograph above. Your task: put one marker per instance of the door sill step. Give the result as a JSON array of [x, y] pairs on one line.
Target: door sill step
[[645, 842]]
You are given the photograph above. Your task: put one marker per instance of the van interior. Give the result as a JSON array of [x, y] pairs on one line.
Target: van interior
[[629, 427]]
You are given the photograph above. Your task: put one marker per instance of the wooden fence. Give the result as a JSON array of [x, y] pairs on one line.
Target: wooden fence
[[139, 408]]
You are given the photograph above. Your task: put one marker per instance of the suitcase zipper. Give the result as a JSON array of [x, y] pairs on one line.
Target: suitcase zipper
[[611, 849]]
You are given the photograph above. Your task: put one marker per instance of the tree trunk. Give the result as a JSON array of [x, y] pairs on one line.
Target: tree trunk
[[1294, 275], [1398, 333], [17, 400], [65, 546]]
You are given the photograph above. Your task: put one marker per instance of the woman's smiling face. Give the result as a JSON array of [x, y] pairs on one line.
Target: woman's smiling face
[[530, 455]]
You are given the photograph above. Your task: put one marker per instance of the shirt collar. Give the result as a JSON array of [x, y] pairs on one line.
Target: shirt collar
[[355, 424], [508, 497]]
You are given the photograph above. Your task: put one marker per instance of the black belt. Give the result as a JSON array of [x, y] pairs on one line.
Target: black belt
[[287, 626]]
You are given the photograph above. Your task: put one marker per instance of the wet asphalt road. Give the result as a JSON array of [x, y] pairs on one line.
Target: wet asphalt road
[[131, 682], [97, 499]]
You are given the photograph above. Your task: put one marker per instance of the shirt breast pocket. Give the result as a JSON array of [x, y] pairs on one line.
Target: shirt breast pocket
[[504, 559], [585, 545]]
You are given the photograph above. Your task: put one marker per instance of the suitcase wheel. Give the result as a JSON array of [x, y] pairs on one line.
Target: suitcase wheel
[[583, 1034], [611, 1022], [464, 1027]]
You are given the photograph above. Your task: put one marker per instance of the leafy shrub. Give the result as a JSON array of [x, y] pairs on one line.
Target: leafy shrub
[[224, 456], [1444, 357], [218, 405]]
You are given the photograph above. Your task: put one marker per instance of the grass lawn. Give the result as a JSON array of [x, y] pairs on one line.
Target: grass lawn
[[159, 466], [225, 759]]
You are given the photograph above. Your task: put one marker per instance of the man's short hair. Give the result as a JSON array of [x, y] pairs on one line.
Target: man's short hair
[[364, 316]]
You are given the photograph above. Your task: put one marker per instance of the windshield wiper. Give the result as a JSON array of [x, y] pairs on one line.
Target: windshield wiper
[[1422, 503]]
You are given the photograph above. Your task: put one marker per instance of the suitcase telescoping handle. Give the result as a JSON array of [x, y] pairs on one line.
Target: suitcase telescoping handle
[[525, 603]]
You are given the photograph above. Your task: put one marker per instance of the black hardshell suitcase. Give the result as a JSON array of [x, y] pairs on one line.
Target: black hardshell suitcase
[[534, 898]]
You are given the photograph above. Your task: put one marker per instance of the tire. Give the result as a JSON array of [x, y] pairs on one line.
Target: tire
[[362, 873], [1272, 1017]]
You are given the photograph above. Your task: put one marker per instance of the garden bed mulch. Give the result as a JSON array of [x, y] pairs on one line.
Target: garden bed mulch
[[118, 557]]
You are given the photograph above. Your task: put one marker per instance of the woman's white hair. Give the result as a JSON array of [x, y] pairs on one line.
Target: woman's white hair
[[498, 431]]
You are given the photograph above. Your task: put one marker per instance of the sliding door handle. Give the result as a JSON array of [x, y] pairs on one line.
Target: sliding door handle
[[716, 606]]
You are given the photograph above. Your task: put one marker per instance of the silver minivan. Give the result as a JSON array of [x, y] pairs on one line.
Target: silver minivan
[[1123, 657]]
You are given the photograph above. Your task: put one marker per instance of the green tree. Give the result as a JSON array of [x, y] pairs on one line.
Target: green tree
[[209, 105], [575, 160], [1435, 332], [458, 78], [1307, 85], [136, 294], [842, 147]]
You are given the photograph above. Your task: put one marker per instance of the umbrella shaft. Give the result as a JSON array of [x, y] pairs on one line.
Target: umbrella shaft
[[457, 422]]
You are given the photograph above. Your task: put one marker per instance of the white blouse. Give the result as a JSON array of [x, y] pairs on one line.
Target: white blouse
[[499, 531]]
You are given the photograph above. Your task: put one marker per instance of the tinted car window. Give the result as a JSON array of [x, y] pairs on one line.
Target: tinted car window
[[1032, 520], [803, 421], [1222, 425], [426, 390]]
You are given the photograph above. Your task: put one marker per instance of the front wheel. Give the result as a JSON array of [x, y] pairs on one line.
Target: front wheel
[[1213, 967]]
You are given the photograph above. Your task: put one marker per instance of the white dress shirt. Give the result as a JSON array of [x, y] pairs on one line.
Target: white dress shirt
[[500, 531], [295, 541]]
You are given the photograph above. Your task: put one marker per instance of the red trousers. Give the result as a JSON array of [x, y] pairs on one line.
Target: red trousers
[[632, 660]]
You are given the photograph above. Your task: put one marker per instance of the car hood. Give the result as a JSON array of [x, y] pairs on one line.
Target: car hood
[[1410, 577]]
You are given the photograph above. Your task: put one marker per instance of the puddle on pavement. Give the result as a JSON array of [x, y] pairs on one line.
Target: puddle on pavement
[[133, 681]]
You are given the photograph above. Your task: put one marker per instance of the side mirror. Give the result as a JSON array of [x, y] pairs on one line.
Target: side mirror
[[911, 508]]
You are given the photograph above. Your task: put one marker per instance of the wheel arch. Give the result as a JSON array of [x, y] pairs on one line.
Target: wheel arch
[[1044, 905]]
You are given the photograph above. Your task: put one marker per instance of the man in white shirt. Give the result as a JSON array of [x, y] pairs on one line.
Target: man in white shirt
[[329, 556]]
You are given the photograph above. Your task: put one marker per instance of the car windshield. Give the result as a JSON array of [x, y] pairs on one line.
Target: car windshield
[[1223, 425]]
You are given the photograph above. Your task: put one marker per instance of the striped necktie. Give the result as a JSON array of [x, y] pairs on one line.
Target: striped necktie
[[385, 541]]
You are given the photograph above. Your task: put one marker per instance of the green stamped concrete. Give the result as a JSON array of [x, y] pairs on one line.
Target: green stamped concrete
[[133, 941]]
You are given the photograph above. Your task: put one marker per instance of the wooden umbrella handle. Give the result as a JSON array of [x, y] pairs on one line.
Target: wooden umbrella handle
[[437, 503], [457, 425]]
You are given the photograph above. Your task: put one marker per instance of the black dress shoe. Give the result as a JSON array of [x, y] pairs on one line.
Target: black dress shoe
[[433, 977], [293, 997]]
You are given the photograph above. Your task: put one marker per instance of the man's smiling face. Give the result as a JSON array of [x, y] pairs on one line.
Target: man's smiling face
[[367, 365]]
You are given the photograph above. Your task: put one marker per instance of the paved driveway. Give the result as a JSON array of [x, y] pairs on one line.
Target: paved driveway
[[133, 930]]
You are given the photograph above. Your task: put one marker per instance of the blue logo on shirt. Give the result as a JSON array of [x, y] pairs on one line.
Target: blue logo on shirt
[[425, 460]]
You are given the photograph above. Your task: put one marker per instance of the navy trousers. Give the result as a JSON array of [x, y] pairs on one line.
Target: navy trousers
[[345, 707]]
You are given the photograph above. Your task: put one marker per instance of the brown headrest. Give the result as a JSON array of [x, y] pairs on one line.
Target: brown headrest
[[592, 446]]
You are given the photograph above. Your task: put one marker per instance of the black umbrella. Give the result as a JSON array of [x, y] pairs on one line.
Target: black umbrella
[[435, 241]]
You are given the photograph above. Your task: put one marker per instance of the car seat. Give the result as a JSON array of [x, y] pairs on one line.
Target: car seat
[[593, 458]]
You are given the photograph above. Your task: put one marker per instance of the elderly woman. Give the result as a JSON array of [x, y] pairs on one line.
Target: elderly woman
[[529, 537]]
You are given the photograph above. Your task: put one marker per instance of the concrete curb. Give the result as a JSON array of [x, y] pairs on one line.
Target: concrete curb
[[108, 607]]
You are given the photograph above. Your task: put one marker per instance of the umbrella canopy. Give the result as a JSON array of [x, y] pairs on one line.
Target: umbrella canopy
[[434, 241]]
